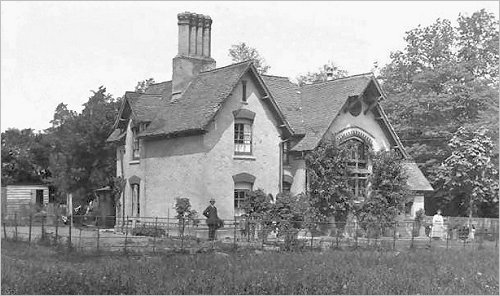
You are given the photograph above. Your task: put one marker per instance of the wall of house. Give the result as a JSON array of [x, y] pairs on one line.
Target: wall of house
[[131, 168], [366, 122], [202, 166], [19, 196]]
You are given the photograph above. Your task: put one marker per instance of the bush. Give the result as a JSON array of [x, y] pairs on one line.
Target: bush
[[148, 230]]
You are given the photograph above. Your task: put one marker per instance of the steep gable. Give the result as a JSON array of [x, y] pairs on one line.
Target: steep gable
[[198, 105]]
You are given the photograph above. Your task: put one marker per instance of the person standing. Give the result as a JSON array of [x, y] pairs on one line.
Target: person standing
[[437, 225], [212, 219]]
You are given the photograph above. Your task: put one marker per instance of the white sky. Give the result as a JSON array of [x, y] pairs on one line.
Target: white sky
[[54, 52]]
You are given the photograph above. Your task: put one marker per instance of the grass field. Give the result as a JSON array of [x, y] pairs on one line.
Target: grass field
[[41, 270]]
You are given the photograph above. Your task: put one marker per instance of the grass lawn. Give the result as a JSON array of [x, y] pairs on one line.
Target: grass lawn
[[41, 270]]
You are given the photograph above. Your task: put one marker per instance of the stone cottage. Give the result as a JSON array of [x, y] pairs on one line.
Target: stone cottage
[[220, 132]]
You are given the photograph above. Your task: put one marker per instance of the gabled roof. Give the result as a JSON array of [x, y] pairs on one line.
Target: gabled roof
[[200, 102], [287, 96]]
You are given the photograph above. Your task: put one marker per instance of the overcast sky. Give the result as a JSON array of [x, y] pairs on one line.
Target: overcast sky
[[54, 52]]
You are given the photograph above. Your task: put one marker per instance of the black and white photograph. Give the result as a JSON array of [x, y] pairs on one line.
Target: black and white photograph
[[249, 147]]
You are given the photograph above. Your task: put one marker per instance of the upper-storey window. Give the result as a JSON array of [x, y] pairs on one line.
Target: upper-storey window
[[243, 125], [136, 148], [136, 153], [243, 136]]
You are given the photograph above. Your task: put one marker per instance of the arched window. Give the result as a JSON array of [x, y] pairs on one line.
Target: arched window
[[243, 122], [243, 183], [357, 164]]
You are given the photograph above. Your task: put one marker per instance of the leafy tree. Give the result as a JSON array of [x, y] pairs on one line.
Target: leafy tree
[[446, 77], [242, 52], [25, 157], [388, 194], [329, 190], [468, 176], [479, 45], [321, 74], [80, 158], [143, 85]]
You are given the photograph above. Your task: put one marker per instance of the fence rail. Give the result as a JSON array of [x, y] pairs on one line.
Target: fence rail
[[160, 234]]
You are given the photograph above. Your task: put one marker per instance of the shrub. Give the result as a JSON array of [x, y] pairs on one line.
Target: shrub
[[148, 230]]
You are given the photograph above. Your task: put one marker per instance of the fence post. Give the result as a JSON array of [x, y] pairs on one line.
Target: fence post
[[70, 227], [234, 234], [43, 227], [98, 236], [15, 225], [496, 234], [356, 232], [412, 234], [312, 238], [29, 231], [126, 235], [394, 237], [4, 230], [80, 240], [155, 234], [263, 238], [447, 237], [57, 229]]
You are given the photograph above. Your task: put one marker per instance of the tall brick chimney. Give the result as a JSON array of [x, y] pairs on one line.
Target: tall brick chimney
[[194, 49]]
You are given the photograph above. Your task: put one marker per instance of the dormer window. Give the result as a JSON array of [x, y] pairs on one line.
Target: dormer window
[[244, 91]]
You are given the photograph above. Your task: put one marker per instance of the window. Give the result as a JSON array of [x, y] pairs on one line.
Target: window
[[244, 90], [357, 164], [243, 137], [136, 204], [240, 191], [286, 187], [136, 153], [286, 149], [39, 196]]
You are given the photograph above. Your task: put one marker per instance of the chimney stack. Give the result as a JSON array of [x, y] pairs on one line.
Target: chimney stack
[[194, 50], [329, 74]]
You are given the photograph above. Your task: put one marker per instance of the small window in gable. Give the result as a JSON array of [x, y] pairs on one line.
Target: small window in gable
[[244, 90]]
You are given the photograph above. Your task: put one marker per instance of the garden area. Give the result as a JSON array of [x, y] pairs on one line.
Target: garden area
[[42, 270]]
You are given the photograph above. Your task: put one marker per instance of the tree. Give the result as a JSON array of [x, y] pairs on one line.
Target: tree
[[321, 74], [329, 190], [389, 193], [242, 52], [445, 78], [25, 157], [468, 176], [80, 159], [142, 86], [479, 45]]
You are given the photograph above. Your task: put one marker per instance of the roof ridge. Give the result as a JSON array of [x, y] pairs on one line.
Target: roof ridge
[[341, 78], [275, 76], [227, 66], [161, 82]]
